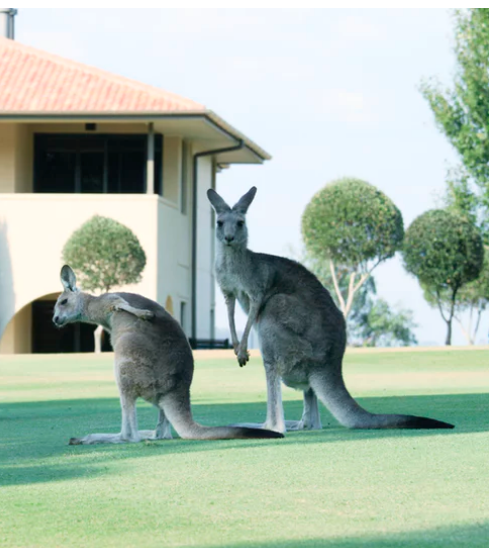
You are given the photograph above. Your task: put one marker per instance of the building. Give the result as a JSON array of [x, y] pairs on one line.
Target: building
[[76, 141]]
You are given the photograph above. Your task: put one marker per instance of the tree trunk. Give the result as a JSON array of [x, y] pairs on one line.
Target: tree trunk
[[97, 335], [448, 342]]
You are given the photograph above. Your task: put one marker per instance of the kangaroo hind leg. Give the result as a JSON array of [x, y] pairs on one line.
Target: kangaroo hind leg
[[275, 410], [311, 419], [129, 429], [163, 428]]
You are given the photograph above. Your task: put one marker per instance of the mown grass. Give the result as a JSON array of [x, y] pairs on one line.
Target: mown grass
[[330, 488]]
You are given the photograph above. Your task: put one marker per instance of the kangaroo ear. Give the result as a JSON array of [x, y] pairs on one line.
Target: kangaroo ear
[[68, 279], [245, 202], [217, 202]]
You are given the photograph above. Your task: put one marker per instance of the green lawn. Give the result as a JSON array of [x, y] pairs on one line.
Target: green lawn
[[331, 488]]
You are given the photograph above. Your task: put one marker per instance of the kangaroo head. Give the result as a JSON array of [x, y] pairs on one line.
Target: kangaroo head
[[231, 228], [69, 306]]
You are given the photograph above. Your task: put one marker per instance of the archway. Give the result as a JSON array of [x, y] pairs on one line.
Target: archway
[[31, 330]]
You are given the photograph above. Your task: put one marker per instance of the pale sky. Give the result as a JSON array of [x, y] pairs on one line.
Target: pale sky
[[328, 92]]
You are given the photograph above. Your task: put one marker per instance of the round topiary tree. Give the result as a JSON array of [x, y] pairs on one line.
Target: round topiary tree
[[355, 227], [104, 254], [445, 252]]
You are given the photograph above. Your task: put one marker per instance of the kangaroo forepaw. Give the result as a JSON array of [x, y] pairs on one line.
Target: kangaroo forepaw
[[146, 315], [243, 357]]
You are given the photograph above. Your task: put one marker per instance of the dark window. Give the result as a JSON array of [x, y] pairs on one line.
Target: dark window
[[95, 163]]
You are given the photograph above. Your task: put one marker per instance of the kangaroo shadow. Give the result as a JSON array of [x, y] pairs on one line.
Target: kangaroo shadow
[[33, 433]]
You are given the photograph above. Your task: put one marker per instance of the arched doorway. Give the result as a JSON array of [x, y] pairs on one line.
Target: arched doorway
[[32, 330], [48, 339]]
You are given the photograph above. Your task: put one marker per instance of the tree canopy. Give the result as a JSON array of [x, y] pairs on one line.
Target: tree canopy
[[353, 227], [461, 112], [352, 223], [104, 254], [445, 252]]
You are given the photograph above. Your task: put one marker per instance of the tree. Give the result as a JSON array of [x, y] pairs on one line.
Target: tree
[[462, 112], [445, 252], [472, 298], [104, 254], [371, 322], [362, 300], [353, 227], [383, 326]]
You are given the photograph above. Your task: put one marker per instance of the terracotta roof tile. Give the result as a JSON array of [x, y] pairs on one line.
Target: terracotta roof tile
[[35, 81]]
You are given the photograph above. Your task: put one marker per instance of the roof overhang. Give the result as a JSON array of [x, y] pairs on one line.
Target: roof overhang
[[205, 129]]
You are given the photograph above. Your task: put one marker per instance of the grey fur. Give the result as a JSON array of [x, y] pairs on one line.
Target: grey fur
[[153, 361], [302, 332]]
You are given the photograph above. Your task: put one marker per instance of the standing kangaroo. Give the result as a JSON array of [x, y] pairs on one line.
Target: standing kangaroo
[[153, 361], [302, 333]]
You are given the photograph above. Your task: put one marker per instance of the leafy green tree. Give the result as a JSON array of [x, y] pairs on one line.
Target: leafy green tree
[[462, 111], [363, 297], [445, 252], [382, 325], [353, 227], [104, 254], [461, 198], [473, 299], [371, 322]]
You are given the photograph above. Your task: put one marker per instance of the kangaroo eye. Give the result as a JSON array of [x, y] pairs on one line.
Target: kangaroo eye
[[62, 303], [220, 224], [240, 224]]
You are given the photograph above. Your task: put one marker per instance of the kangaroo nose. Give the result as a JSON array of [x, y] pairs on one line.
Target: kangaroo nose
[[229, 239], [56, 319]]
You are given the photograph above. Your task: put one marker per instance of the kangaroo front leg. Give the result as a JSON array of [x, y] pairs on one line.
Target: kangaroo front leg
[[139, 313], [231, 307], [243, 354]]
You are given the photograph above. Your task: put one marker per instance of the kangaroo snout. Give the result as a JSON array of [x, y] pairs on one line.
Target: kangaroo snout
[[229, 239], [57, 321]]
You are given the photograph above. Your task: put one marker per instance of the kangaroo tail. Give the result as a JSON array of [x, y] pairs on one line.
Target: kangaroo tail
[[177, 410], [331, 390]]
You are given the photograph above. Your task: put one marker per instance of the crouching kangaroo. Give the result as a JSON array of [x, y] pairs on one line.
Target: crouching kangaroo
[[153, 361], [302, 333]]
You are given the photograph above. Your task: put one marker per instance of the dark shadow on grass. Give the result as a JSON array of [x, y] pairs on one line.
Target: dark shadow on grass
[[468, 536], [33, 433]]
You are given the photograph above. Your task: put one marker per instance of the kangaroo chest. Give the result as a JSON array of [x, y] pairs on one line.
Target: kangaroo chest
[[231, 280]]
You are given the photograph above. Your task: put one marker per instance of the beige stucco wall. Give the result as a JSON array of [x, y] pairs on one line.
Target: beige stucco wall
[[172, 168], [8, 138], [18, 334]]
